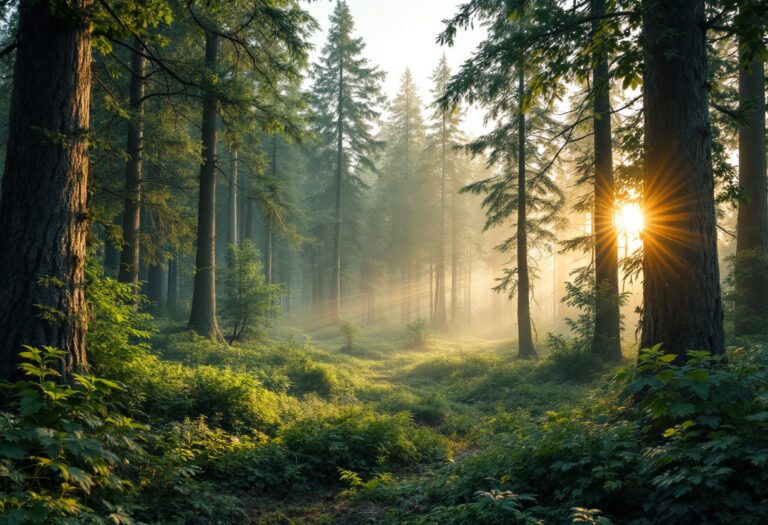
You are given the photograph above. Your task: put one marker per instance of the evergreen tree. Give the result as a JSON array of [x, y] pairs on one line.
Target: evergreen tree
[[346, 99]]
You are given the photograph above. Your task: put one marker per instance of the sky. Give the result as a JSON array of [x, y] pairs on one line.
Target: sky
[[401, 34]]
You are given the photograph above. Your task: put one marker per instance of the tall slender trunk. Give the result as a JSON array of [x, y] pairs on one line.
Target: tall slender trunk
[[336, 281], [173, 286], [43, 219], [268, 249], [681, 287], [440, 313], [232, 204], [249, 218], [469, 282], [752, 223], [129, 258], [111, 255], [607, 337], [454, 258], [202, 319], [525, 338]]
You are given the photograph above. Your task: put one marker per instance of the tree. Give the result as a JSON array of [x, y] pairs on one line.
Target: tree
[[751, 275], [346, 95], [203, 315], [43, 219], [446, 134], [682, 306], [607, 334], [249, 300], [129, 258]]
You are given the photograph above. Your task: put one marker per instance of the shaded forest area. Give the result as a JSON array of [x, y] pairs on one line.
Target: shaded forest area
[[243, 281]]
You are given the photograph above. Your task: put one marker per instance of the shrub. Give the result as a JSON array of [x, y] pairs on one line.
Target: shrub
[[570, 360], [417, 333], [307, 376], [350, 335]]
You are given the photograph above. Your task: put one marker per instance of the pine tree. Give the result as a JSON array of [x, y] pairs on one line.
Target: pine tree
[[346, 98]]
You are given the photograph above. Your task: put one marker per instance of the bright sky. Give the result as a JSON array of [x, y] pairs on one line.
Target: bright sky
[[401, 34]]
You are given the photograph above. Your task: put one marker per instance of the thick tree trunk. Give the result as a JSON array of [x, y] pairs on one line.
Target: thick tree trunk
[[173, 286], [232, 204], [202, 319], [155, 287], [129, 258], [752, 224], [43, 205], [336, 281], [682, 304], [607, 337], [526, 349]]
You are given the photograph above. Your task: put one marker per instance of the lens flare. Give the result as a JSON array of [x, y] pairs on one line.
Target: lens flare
[[629, 219]]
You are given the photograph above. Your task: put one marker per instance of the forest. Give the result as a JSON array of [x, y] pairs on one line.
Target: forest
[[430, 262]]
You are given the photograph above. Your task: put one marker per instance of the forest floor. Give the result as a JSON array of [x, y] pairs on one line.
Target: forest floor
[[456, 388]]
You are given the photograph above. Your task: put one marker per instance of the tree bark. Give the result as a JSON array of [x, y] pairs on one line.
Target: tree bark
[[202, 319], [232, 204], [752, 223], [43, 217], [155, 287], [129, 258], [607, 337], [526, 350], [682, 303]]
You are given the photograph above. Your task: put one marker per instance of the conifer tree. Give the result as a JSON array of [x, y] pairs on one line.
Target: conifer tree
[[346, 99]]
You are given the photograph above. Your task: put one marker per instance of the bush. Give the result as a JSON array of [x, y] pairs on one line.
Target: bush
[[570, 360], [307, 376], [350, 334], [417, 333]]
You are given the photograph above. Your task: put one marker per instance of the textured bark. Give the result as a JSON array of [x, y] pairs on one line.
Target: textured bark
[[607, 336], [155, 287], [752, 224], [129, 258], [202, 319], [524, 336], [43, 205], [232, 204], [682, 304]]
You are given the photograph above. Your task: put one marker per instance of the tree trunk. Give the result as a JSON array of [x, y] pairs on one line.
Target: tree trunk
[[752, 223], [203, 316], [268, 249], [682, 304], [173, 286], [454, 258], [336, 281], [111, 255], [526, 350], [607, 337], [440, 313], [129, 258], [232, 204], [43, 205], [249, 218], [155, 287]]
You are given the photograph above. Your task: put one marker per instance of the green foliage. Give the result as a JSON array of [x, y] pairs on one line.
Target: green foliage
[[249, 301], [418, 333], [350, 334], [60, 447], [117, 330], [571, 359], [495, 507]]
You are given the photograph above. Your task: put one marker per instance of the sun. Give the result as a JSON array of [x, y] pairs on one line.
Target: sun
[[629, 219]]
